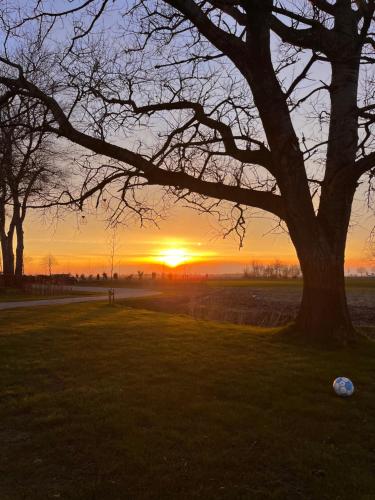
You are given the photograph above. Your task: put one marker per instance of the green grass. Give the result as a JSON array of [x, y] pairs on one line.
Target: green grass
[[17, 296], [360, 283], [272, 283], [119, 283], [255, 283], [100, 402]]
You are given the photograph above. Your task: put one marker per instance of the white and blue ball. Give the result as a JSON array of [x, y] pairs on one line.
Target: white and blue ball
[[343, 387]]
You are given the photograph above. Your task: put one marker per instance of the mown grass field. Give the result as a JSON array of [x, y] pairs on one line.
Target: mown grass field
[[351, 283], [101, 402], [14, 295], [235, 282]]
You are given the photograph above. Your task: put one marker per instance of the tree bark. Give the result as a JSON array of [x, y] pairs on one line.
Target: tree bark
[[19, 253], [8, 259], [324, 315]]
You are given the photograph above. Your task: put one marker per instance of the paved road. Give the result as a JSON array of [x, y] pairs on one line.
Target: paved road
[[102, 294]]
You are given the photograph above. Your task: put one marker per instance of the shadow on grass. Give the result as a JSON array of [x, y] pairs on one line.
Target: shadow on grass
[[112, 402]]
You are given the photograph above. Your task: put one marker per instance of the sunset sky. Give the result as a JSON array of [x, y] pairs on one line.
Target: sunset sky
[[83, 245]]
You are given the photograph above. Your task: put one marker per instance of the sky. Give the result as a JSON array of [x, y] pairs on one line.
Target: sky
[[84, 245]]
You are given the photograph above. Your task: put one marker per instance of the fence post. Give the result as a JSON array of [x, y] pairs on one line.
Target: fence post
[[111, 296]]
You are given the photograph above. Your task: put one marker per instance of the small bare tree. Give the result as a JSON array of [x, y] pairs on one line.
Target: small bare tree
[[113, 243], [361, 271], [49, 262]]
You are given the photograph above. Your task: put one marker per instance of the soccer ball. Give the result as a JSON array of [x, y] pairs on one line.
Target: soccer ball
[[343, 387]]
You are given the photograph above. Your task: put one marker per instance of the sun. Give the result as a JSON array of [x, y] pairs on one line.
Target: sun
[[174, 253], [174, 257]]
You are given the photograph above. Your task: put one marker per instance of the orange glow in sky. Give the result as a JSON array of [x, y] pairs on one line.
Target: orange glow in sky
[[183, 242]]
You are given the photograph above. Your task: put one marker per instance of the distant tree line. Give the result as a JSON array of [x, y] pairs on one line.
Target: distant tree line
[[274, 270]]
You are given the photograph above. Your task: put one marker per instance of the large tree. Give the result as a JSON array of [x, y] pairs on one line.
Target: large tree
[[262, 103], [28, 176]]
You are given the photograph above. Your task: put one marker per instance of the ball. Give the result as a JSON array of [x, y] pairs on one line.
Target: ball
[[343, 387]]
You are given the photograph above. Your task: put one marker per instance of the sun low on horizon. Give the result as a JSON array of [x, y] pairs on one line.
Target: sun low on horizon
[[176, 253], [174, 257]]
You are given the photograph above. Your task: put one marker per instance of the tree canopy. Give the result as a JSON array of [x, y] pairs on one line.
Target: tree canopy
[[262, 103]]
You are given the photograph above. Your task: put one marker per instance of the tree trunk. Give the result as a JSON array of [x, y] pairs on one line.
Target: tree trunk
[[324, 315], [8, 259], [19, 253]]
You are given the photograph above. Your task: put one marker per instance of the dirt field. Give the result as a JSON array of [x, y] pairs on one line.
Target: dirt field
[[262, 304]]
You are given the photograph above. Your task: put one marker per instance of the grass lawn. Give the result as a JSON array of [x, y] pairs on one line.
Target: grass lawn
[[271, 283], [101, 402], [14, 295]]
